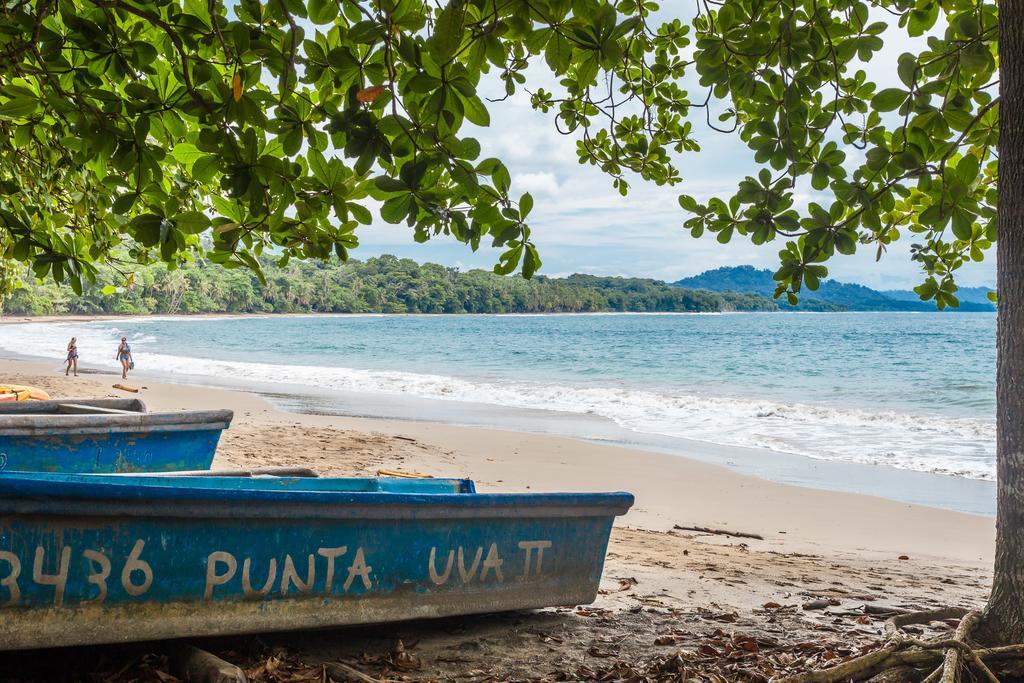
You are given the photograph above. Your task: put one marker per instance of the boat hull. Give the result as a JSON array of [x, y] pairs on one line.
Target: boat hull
[[134, 451], [144, 563], [102, 440]]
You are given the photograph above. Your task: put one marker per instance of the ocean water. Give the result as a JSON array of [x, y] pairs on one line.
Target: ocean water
[[913, 391]]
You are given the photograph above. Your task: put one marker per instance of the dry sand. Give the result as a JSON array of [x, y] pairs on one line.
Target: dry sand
[[666, 586]]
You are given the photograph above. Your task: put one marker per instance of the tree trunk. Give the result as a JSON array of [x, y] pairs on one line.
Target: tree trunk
[[1004, 617]]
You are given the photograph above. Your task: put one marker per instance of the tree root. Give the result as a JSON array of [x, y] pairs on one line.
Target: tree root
[[901, 656], [896, 623]]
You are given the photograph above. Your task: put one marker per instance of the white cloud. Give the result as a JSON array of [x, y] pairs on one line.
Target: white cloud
[[538, 184]]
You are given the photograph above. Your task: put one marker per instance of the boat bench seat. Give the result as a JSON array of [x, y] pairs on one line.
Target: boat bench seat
[[80, 409]]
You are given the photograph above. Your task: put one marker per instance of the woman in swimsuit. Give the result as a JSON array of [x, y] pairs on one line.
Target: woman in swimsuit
[[124, 354], [72, 359]]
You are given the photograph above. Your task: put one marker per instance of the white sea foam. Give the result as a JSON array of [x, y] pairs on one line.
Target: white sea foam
[[957, 446]]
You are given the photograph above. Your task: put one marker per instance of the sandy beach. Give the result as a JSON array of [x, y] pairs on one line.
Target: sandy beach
[[661, 584]]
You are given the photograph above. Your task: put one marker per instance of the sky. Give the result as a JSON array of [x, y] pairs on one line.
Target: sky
[[581, 225]]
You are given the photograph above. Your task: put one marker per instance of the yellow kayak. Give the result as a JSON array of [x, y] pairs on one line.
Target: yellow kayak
[[21, 392]]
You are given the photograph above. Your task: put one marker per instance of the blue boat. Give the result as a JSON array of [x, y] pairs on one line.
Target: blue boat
[[90, 559], [106, 435]]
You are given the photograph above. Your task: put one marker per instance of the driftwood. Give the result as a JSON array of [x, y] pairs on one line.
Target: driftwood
[[303, 472], [883, 610], [193, 665], [344, 672], [403, 474], [124, 387], [719, 532]]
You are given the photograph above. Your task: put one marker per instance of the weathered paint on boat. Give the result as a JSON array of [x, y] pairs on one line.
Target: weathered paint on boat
[[106, 435], [99, 559]]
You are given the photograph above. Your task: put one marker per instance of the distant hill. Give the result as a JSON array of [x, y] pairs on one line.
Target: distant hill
[[974, 295], [845, 296]]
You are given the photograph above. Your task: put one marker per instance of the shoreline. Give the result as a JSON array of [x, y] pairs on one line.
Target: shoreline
[[670, 489], [930, 489], [10, 319], [901, 484]]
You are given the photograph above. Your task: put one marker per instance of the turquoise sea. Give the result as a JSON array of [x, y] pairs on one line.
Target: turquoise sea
[[911, 391]]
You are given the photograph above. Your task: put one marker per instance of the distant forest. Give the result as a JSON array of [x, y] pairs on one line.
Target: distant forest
[[386, 285]]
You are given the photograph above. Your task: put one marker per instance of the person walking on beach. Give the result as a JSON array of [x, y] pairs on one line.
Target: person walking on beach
[[124, 354], [72, 359]]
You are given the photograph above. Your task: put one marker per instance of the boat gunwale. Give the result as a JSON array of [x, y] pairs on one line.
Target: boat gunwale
[[44, 425], [45, 497], [439, 507]]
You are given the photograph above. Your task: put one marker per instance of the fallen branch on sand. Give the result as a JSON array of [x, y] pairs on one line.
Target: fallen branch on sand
[[199, 666], [904, 659], [344, 672], [718, 532], [403, 474]]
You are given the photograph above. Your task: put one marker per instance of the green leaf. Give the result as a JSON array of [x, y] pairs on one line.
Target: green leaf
[[19, 108], [921, 20], [447, 36], [846, 243], [501, 178], [388, 184], [967, 169], [927, 289], [531, 261], [967, 24], [962, 223], [323, 11], [889, 99], [192, 222], [558, 54], [688, 203], [143, 53], [198, 9], [205, 168], [319, 166], [819, 177], [396, 209], [475, 110], [907, 69], [123, 204], [186, 153], [525, 204], [148, 228]]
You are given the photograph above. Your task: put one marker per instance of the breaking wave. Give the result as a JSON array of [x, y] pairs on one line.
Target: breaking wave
[[950, 445]]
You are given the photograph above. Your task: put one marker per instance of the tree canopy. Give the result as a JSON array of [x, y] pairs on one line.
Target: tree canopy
[[130, 127], [919, 157]]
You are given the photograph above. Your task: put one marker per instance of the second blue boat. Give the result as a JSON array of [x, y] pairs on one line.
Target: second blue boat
[[106, 436]]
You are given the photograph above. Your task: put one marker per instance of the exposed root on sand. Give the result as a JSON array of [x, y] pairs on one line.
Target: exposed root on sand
[[904, 659]]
